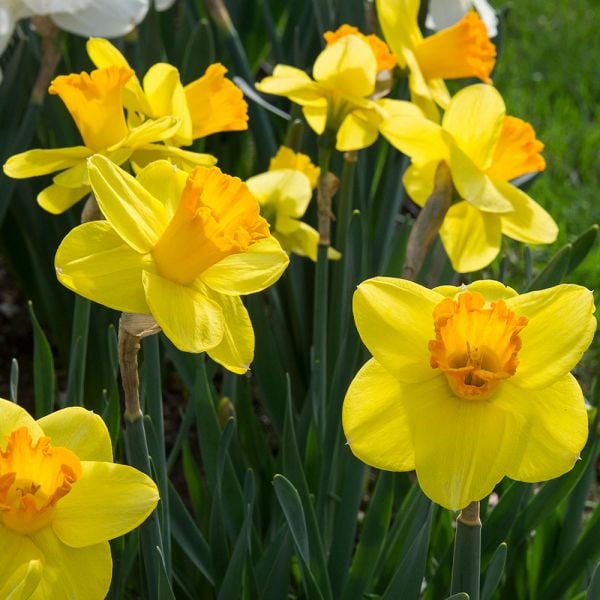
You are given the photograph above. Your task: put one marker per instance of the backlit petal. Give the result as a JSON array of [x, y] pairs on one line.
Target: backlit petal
[[56, 199], [419, 181], [108, 501], [193, 322], [529, 222], [556, 429], [348, 66], [153, 130], [79, 430], [474, 119], [93, 261], [560, 329], [293, 83], [41, 162], [236, 350], [286, 190], [394, 319], [358, 130], [471, 238], [316, 116], [72, 572], [248, 272], [20, 567], [12, 416], [462, 448], [374, 419], [137, 216], [183, 159], [164, 182], [398, 20]]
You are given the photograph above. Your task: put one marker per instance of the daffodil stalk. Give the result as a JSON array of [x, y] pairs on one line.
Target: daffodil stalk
[[428, 222], [467, 552]]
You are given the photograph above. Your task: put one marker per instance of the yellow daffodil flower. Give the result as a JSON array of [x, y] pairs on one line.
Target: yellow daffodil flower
[[468, 385], [337, 100], [207, 105], [61, 500], [179, 247], [462, 50], [284, 193], [485, 149], [95, 103]]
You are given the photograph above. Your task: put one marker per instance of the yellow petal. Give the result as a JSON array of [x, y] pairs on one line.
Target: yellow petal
[[248, 272], [41, 162], [408, 130], [529, 222], [183, 159], [236, 350], [560, 329], [395, 320], [491, 290], [303, 240], [471, 238], [12, 416], [474, 119], [93, 261], [286, 158], [419, 181], [475, 186], [79, 430], [193, 322], [316, 116], [164, 182], [398, 19], [152, 130], [73, 177], [358, 130], [137, 216], [374, 419], [56, 199], [72, 572], [285, 191], [293, 83], [216, 103], [556, 430], [108, 500], [462, 448], [20, 567], [348, 66]]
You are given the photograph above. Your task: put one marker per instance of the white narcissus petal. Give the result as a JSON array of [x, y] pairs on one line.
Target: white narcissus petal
[[444, 13]]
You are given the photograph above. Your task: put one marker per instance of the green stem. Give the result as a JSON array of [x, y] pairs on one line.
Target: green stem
[[78, 354], [466, 564]]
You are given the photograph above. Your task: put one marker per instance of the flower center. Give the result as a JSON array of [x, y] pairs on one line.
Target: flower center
[[33, 478], [517, 151], [463, 50], [476, 344], [217, 216], [95, 103]]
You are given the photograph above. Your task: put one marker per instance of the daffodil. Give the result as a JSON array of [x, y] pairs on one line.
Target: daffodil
[[338, 99], [284, 193], [485, 149], [95, 103], [61, 499], [462, 50], [179, 247], [207, 105], [469, 384], [444, 13]]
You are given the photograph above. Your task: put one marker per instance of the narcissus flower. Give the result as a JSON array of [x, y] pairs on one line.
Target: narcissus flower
[[179, 247], [284, 193], [444, 13], [468, 385], [207, 105], [95, 103], [337, 100], [61, 500], [485, 149], [463, 50]]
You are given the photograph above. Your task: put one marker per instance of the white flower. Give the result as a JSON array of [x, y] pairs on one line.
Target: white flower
[[443, 13]]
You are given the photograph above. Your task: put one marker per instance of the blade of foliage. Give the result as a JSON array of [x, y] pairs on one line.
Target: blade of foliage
[[43, 369], [494, 572]]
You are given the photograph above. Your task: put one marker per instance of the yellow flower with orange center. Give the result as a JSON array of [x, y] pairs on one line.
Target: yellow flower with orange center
[[485, 150], [460, 51], [96, 105], [61, 500], [181, 247], [469, 384]]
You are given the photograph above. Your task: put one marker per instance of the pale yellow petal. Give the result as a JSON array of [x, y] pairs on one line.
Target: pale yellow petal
[[41, 162], [293, 83], [316, 116], [474, 119], [419, 181], [20, 567], [193, 322], [80, 430], [137, 216], [93, 261], [560, 329], [56, 199], [374, 419], [358, 130], [248, 272], [285, 191], [165, 182], [82, 573], [183, 159], [12, 416], [152, 130], [395, 320], [108, 501], [491, 290], [471, 237], [398, 19]]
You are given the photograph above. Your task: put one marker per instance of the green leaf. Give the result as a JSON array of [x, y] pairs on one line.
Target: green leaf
[[593, 591], [459, 596], [290, 503], [554, 272], [165, 591], [581, 247], [494, 572], [43, 369], [78, 354]]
